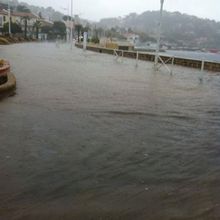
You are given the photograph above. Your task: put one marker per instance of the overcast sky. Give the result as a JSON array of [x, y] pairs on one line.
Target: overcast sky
[[97, 9]]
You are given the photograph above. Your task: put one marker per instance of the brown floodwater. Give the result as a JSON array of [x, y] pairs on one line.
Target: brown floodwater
[[87, 137]]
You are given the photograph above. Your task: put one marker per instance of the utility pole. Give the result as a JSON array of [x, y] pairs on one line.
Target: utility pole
[[71, 33], [9, 18], [67, 12], [159, 35]]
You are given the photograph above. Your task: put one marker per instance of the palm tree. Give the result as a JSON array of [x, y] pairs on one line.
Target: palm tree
[[78, 28], [37, 26], [25, 19]]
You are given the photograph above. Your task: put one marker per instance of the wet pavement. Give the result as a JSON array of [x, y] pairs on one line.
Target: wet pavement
[[87, 137]]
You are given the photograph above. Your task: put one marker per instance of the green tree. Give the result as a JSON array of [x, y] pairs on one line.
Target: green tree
[[86, 28], [25, 19], [100, 32], [78, 28], [46, 29], [59, 29], [23, 8], [40, 15], [37, 26], [15, 28], [67, 18], [95, 40]]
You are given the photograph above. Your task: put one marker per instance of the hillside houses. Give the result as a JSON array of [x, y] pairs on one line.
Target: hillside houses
[[27, 21]]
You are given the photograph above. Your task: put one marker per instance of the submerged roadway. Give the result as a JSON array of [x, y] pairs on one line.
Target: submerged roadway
[[87, 137]]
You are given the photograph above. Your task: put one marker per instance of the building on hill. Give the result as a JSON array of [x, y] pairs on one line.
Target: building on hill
[[43, 24], [3, 18], [26, 20], [132, 38], [69, 26]]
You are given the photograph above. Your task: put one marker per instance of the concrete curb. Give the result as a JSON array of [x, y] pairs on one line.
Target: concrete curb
[[9, 85]]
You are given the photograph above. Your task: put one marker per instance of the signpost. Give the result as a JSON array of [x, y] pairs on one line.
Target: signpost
[[159, 35], [157, 64]]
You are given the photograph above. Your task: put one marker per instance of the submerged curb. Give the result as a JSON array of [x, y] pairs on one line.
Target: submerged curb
[[9, 85]]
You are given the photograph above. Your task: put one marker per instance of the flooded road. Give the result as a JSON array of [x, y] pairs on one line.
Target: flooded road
[[87, 137]]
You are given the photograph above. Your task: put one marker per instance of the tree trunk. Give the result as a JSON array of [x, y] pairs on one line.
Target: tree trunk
[[25, 28], [78, 34], [37, 33]]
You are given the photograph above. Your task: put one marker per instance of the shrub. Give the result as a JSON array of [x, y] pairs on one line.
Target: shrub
[[3, 41], [95, 40]]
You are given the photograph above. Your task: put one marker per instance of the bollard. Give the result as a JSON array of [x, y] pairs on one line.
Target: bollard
[[172, 64]]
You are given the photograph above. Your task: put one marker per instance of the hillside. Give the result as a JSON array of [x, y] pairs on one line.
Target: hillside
[[177, 28], [180, 29], [48, 13]]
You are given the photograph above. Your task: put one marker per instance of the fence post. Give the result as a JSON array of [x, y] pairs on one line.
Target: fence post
[[137, 58], [203, 65], [172, 64]]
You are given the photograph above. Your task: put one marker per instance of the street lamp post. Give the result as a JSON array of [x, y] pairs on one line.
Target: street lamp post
[[159, 35], [71, 33], [67, 24], [9, 18]]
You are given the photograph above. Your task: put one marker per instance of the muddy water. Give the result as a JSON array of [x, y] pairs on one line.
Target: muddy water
[[87, 137]]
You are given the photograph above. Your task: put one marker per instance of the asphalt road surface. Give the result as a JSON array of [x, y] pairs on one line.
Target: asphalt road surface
[[89, 137]]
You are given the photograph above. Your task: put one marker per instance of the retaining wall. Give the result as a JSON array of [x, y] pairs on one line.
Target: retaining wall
[[197, 64]]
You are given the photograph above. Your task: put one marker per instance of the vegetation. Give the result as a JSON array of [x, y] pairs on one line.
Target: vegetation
[[37, 26], [67, 18], [78, 29], [58, 30], [47, 30], [145, 37], [3, 41], [95, 40], [26, 18], [23, 8], [178, 28], [15, 28], [45, 12]]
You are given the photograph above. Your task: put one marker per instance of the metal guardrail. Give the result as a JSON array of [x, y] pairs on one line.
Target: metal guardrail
[[203, 65]]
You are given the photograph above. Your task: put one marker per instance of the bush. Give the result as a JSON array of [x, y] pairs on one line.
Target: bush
[[95, 40], [3, 41], [15, 28], [9, 39], [21, 39]]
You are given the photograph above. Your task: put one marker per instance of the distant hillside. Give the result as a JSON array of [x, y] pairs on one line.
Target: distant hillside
[[177, 28], [48, 13]]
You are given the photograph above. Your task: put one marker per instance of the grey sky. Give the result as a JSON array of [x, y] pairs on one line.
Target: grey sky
[[96, 9]]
